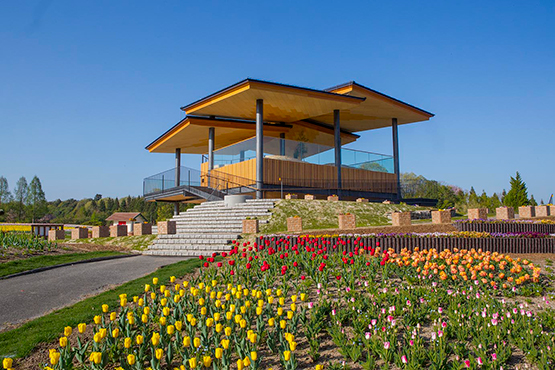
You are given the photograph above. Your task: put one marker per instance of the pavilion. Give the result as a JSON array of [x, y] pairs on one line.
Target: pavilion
[[262, 137]]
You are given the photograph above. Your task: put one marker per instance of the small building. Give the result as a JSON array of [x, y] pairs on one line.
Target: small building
[[126, 218]]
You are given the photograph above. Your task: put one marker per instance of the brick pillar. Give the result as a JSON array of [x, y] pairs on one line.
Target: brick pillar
[[100, 231], [477, 213], [80, 233], [401, 219], [250, 226], [527, 212], [166, 227], [55, 234], [294, 224], [141, 228], [118, 230], [543, 211], [505, 213], [333, 198], [441, 217], [347, 221]]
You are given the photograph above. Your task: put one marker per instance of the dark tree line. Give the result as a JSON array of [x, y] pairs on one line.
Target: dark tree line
[[27, 203]]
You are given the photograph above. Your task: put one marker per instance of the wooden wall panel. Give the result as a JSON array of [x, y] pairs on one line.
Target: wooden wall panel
[[230, 176]]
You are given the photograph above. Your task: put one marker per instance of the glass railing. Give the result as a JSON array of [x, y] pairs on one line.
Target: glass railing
[[166, 180], [292, 150]]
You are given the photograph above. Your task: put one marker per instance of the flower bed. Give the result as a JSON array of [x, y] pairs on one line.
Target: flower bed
[[493, 242], [281, 303], [506, 226]]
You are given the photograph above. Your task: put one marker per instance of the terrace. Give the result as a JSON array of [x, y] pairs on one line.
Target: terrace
[[264, 138]]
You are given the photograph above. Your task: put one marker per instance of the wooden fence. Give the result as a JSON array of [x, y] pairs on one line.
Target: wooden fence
[[505, 227]]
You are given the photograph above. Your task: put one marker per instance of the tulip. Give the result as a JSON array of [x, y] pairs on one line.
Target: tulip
[[115, 333], [144, 318], [287, 355], [218, 353], [293, 346], [303, 298], [131, 359], [97, 319], [166, 311], [186, 341], [67, 331], [140, 339], [319, 367], [207, 361], [155, 339], [178, 325], [7, 363], [113, 316], [127, 342], [81, 328], [271, 321], [193, 362], [246, 361], [103, 332], [404, 359], [170, 329], [163, 320], [155, 281], [196, 342], [159, 353], [282, 324], [63, 342], [105, 308], [95, 357], [225, 343], [240, 364], [227, 331], [97, 337]]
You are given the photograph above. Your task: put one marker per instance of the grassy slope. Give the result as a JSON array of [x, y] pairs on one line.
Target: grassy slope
[[321, 214], [21, 341], [136, 242], [13, 267]]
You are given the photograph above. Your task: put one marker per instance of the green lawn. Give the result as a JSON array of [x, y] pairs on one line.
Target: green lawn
[[322, 214], [13, 267], [21, 341], [135, 242]]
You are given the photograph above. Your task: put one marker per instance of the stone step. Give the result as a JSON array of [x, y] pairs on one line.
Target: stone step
[[217, 235], [182, 253], [222, 214], [213, 248], [240, 206], [194, 241], [213, 222]]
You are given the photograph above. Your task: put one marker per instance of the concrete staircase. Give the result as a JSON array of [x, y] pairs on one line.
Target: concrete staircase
[[209, 227]]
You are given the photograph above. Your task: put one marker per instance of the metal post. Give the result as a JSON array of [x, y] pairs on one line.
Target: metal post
[[396, 156], [337, 142], [282, 143], [211, 148], [177, 176], [281, 183], [259, 147]]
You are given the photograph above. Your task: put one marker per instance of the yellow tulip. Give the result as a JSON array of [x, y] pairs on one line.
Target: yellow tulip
[[207, 289], [135, 298], [105, 308], [280, 311], [131, 359], [293, 298], [290, 314], [253, 337], [127, 342], [155, 281], [177, 287], [193, 322], [229, 286], [159, 353], [146, 310], [7, 363], [131, 320], [147, 287], [243, 309], [240, 364], [181, 294], [82, 327], [115, 333], [207, 361], [287, 355], [281, 301], [176, 298], [260, 303], [123, 302], [144, 318], [140, 339], [209, 322], [238, 318], [193, 362], [259, 311], [245, 292], [218, 353], [67, 331], [164, 302], [233, 291], [203, 311], [97, 337], [282, 324], [167, 294], [254, 355], [201, 285], [170, 329], [163, 320], [227, 331], [243, 323], [166, 311], [319, 367], [278, 292], [185, 284], [217, 316], [232, 308], [229, 315], [259, 294], [186, 341], [270, 299], [63, 342], [54, 357], [293, 307], [178, 325], [246, 361], [196, 342], [271, 321], [97, 319], [189, 317], [225, 343], [103, 332], [95, 357], [303, 298], [155, 339], [113, 316], [268, 292], [219, 328], [292, 345], [227, 297], [153, 296], [212, 295], [172, 279]]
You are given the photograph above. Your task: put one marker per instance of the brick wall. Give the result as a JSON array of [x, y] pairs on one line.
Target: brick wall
[[543, 211], [100, 231], [56, 235], [441, 217], [118, 230], [80, 233], [505, 213], [347, 221], [401, 219], [141, 228], [477, 213], [250, 226], [526, 212], [294, 224], [166, 227]]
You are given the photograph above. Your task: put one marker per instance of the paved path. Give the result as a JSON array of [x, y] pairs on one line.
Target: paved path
[[30, 296]]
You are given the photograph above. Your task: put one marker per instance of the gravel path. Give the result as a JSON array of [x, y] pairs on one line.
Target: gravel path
[[30, 296]]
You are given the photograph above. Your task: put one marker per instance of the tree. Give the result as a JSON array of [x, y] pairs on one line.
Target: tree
[[473, 200], [20, 195], [518, 194], [97, 197], [533, 201], [5, 195], [36, 200]]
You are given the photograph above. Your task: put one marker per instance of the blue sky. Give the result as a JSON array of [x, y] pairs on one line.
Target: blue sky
[[85, 86]]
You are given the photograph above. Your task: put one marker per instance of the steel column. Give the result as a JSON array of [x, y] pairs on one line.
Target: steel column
[[395, 133], [211, 148], [282, 144], [337, 142], [177, 176], [259, 147]]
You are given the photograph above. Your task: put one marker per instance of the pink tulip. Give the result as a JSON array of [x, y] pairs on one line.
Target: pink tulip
[[386, 345], [494, 356], [404, 359], [479, 361], [467, 363]]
